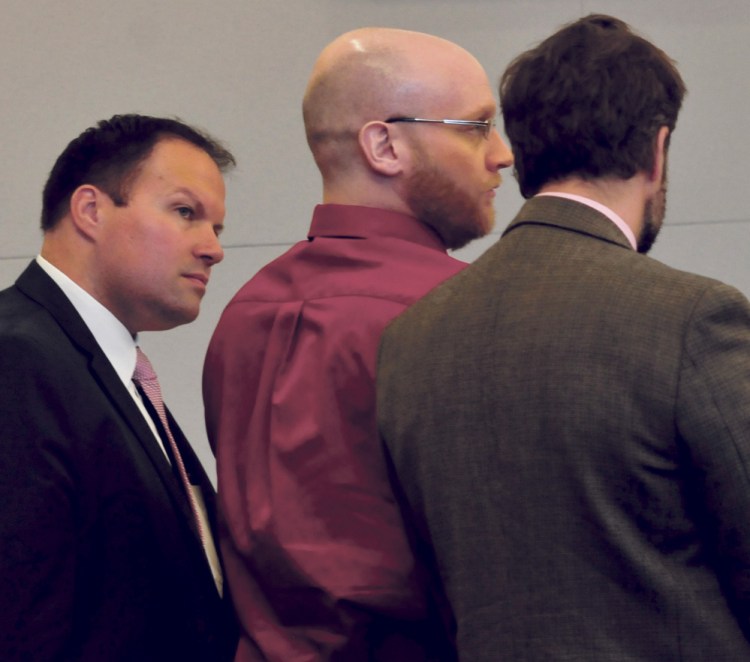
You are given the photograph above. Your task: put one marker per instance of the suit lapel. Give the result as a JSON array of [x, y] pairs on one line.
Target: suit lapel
[[37, 285]]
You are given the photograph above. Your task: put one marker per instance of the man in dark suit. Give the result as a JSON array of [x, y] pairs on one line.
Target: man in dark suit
[[570, 419], [106, 550]]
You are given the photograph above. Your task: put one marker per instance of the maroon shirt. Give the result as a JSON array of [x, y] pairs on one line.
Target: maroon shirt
[[315, 551]]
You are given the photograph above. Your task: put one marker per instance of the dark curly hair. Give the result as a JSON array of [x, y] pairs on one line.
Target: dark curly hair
[[588, 101]]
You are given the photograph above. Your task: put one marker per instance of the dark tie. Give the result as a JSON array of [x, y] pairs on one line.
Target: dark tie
[[145, 377]]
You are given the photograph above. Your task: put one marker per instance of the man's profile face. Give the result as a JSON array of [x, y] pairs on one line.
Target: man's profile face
[[155, 253], [454, 194], [455, 169]]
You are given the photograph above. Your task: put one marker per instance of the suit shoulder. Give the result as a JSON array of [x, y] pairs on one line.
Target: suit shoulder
[[677, 283]]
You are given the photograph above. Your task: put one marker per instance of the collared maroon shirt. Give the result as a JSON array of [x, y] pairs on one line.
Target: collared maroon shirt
[[316, 556]]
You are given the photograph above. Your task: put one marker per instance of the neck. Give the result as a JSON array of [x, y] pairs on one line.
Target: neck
[[365, 194], [71, 257]]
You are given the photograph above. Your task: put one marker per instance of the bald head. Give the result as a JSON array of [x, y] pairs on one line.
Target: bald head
[[372, 74]]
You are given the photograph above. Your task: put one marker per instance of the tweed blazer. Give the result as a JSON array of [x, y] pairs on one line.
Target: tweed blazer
[[569, 421], [99, 556]]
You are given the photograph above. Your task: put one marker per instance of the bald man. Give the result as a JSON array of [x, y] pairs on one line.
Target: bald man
[[402, 128]]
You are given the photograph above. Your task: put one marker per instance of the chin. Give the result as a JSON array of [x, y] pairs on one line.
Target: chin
[[175, 318]]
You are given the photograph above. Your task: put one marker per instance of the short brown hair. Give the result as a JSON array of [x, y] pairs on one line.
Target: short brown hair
[[109, 154], [588, 101]]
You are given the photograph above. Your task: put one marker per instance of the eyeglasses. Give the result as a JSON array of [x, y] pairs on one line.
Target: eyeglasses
[[485, 126]]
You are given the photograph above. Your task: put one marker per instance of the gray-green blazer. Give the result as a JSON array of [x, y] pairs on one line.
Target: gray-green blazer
[[570, 424]]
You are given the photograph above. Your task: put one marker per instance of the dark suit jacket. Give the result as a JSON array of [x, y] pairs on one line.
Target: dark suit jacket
[[570, 422], [99, 557]]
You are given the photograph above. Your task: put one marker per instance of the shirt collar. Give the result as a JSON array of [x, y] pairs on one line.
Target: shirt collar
[[611, 215], [355, 222], [111, 335]]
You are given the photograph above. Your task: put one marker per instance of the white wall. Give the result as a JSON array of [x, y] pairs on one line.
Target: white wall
[[238, 69]]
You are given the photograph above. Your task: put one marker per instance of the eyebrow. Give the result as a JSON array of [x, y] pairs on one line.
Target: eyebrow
[[481, 114], [195, 200], [488, 112]]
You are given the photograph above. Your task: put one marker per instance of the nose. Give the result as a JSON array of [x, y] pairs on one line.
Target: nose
[[209, 248], [499, 155]]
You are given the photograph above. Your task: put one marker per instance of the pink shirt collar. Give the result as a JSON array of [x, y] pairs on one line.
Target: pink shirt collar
[[612, 216]]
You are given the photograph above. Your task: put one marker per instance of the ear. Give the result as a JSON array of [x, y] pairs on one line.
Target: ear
[[656, 175], [86, 209], [381, 149]]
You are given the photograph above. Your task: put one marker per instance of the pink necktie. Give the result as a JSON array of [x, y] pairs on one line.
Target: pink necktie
[[145, 377]]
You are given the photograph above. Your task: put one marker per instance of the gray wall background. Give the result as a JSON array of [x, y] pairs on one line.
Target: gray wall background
[[238, 68]]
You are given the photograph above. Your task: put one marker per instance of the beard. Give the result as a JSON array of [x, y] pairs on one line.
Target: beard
[[653, 216], [437, 201], [654, 211]]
